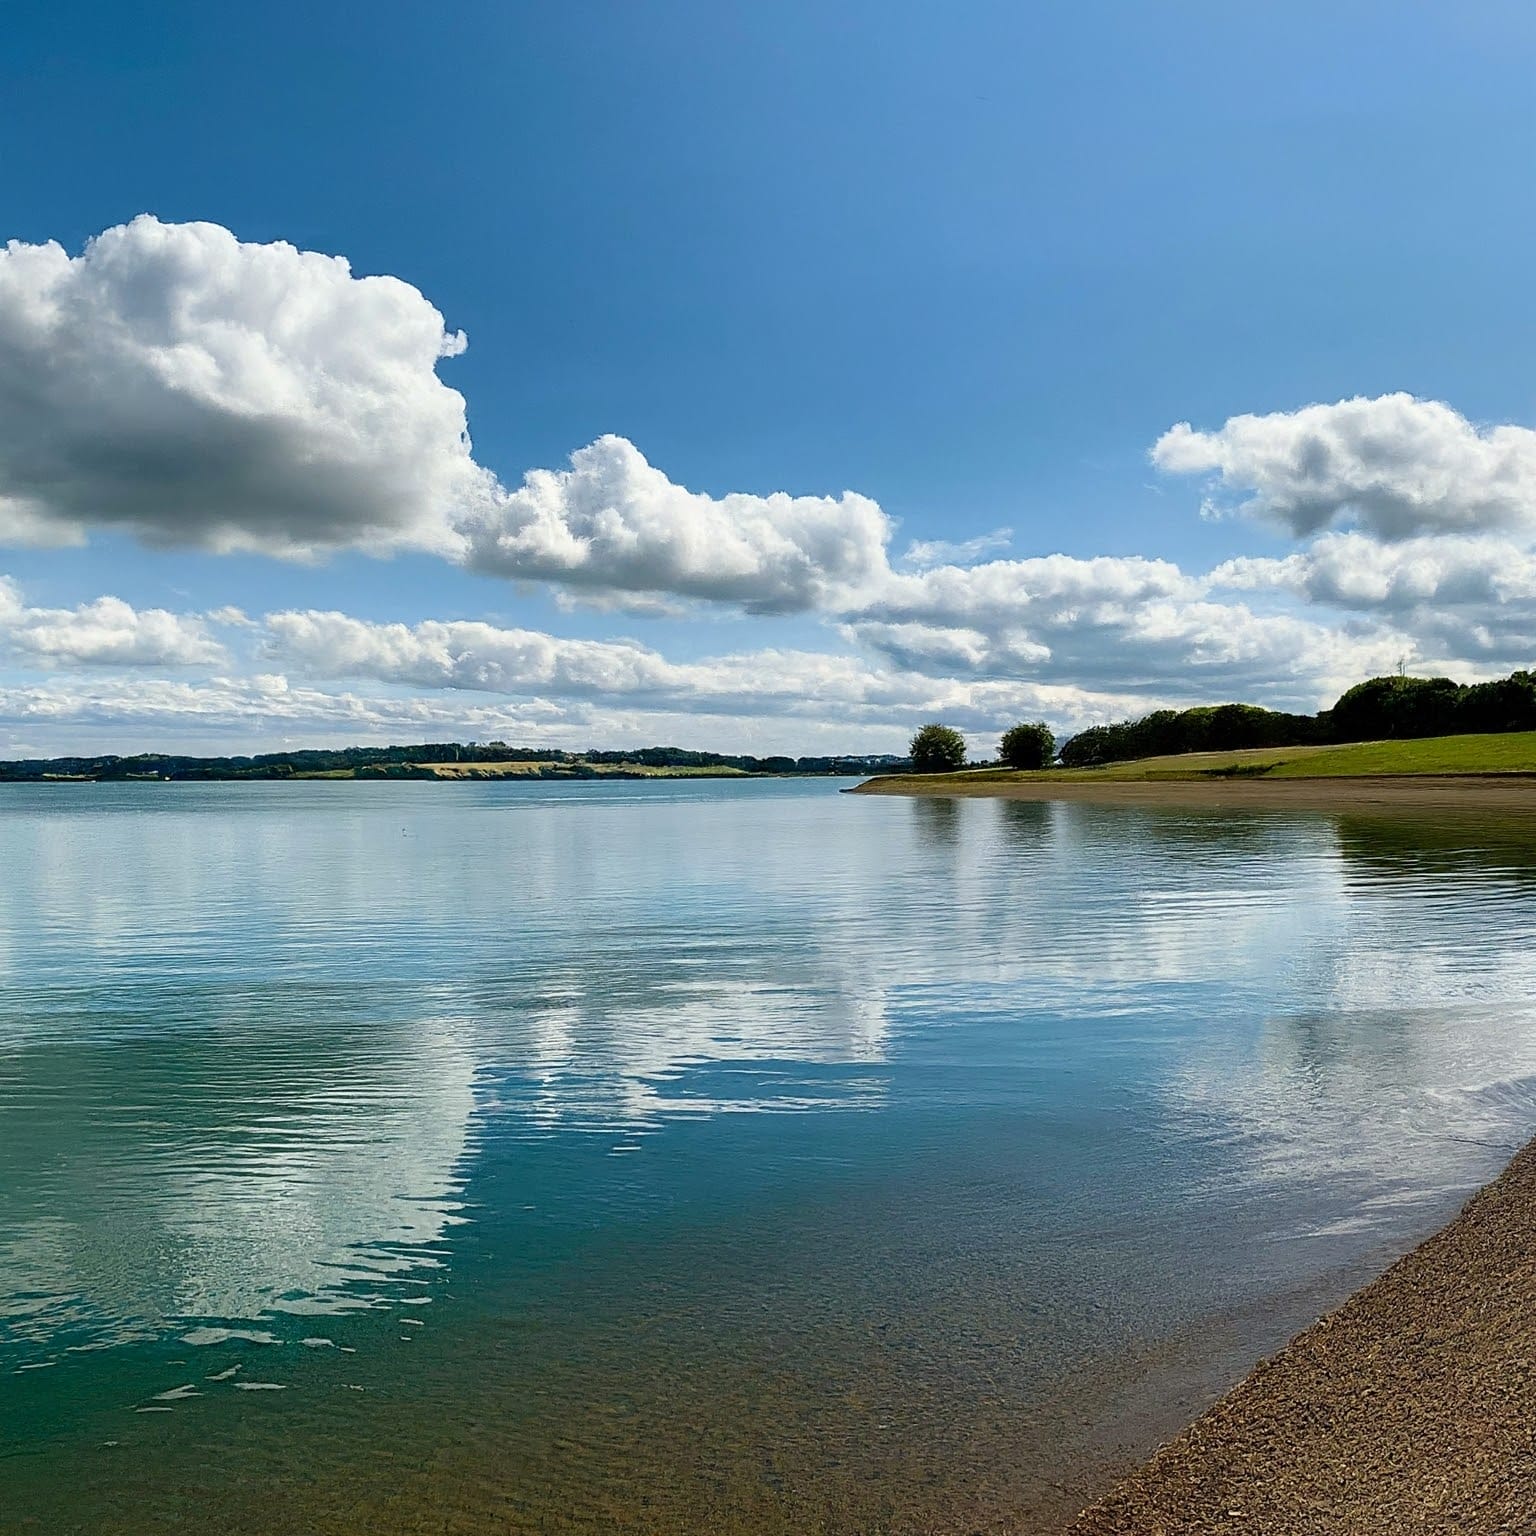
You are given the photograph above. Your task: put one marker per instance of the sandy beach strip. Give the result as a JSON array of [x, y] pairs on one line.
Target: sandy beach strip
[[1484, 792], [1410, 1409]]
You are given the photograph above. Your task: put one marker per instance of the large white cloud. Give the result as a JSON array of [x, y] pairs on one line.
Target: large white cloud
[[1395, 466], [186, 387], [614, 523], [104, 632]]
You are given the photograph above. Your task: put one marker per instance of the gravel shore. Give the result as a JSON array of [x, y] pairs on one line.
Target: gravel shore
[[1410, 1409]]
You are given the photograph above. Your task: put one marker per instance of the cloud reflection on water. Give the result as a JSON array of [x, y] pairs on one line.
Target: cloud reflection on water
[[251, 1041]]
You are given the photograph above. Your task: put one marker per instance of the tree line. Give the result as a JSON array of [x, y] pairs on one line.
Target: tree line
[[941, 749], [1380, 709]]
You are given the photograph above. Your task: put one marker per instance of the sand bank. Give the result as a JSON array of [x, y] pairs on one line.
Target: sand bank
[[1486, 792], [1412, 1408]]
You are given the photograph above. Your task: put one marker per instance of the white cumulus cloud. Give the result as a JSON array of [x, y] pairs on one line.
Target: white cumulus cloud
[[188, 388], [1046, 590], [817, 690], [1349, 570], [105, 632], [614, 523], [1122, 622], [1394, 466], [175, 384], [486, 658], [463, 654], [1469, 602], [1126, 659]]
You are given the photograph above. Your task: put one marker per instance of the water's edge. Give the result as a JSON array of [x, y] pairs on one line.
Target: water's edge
[[1320, 1426]]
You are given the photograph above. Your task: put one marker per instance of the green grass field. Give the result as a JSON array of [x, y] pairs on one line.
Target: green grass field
[[1514, 752]]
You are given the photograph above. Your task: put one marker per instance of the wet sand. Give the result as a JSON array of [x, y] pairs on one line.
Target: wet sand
[[1412, 1408], [1491, 792]]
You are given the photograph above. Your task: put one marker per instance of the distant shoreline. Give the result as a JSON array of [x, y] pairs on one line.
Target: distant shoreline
[[1406, 1409], [436, 760], [481, 773], [1488, 792]]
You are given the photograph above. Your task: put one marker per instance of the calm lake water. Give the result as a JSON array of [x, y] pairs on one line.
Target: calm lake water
[[702, 1156]]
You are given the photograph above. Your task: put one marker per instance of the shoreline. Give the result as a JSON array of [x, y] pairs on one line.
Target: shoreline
[[1483, 792], [1410, 1408]]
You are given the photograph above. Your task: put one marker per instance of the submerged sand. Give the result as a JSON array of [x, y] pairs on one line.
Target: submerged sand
[[1488, 792], [1412, 1408]]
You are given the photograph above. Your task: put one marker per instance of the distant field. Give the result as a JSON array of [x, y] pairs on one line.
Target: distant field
[[601, 770], [538, 770], [1514, 752]]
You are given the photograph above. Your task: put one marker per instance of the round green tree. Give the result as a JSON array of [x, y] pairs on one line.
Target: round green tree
[[937, 749], [1029, 744]]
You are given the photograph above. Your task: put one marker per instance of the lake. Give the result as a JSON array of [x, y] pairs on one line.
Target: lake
[[702, 1155]]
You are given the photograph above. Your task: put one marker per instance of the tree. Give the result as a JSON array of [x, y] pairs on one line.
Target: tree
[[1029, 744], [937, 749], [1394, 707]]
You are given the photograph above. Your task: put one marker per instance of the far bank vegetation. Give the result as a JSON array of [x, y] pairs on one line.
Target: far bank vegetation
[[1383, 710]]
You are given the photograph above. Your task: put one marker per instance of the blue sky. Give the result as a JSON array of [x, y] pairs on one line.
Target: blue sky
[[968, 263]]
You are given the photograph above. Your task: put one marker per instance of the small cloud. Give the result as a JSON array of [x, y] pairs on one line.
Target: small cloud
[[231, 617], [923, 553]]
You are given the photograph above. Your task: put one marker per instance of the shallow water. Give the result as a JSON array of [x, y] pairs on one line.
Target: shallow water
[[701, 1155]]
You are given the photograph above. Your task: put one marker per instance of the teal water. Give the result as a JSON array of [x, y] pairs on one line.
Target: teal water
[[701, 1156]]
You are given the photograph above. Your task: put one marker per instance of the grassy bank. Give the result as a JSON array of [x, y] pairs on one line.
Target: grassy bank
[[1437, 756]]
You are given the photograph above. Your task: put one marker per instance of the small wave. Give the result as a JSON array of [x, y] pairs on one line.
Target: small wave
[[1500, 1113], [207, 1336]]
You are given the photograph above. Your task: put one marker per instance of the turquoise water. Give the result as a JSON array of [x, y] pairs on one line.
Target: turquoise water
[[701, 1156]]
